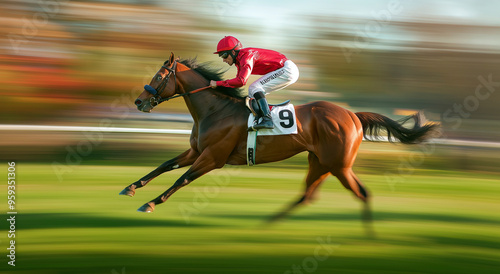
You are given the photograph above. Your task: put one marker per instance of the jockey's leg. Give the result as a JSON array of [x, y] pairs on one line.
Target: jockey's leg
[[272, 81], [266, 122]]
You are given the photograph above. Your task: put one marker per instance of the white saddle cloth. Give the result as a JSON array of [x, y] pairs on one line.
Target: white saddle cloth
[[284, 119]]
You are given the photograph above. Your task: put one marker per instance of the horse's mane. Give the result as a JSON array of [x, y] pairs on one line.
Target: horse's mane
[[211, 73]]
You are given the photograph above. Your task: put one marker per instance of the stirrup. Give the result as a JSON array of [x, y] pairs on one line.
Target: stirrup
[[266, 123]]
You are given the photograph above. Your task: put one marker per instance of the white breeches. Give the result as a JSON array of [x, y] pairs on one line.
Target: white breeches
[[275, 80]]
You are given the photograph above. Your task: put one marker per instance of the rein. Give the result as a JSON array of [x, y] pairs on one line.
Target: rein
[[157, 99], [186, 93]]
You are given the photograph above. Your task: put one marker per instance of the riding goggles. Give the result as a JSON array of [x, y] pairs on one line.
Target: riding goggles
[[224, 54]]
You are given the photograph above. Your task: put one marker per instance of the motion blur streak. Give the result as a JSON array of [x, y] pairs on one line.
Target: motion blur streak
[[81, 64], [73, 63]]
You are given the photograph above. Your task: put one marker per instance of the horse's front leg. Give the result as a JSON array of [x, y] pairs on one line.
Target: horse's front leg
[[205, 163], [185, 159]]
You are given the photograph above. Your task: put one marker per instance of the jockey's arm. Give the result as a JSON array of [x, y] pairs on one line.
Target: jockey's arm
[[244, 72]]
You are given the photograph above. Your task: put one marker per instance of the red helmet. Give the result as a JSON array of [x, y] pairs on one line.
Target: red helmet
[[228, 43]]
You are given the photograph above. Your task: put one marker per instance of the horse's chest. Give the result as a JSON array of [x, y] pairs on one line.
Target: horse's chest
[[218, 137]]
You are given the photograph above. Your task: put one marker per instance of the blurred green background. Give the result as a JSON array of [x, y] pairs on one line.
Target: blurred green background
[[82, 63]]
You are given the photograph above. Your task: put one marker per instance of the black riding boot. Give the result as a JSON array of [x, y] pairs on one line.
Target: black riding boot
[[267, 121]]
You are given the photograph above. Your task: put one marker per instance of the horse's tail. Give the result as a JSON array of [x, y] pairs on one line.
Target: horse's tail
[[421, 131]]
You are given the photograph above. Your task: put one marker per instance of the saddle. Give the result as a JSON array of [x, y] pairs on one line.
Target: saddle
[[252, 105]]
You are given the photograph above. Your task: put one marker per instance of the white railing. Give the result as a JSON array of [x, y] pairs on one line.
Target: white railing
[[450, 142]]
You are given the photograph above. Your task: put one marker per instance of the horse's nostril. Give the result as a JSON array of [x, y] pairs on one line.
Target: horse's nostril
[[138, 102]]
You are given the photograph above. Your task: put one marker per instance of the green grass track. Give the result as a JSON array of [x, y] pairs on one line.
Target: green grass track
[[430, 222]]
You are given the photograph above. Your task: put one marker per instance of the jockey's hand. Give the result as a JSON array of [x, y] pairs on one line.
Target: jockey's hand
[[213, 84]]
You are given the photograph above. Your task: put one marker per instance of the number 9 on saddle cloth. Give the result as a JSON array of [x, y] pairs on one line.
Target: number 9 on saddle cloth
[[283, 116], [284, 119]]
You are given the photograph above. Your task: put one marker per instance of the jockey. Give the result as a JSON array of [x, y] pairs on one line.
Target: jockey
[[278, 72]]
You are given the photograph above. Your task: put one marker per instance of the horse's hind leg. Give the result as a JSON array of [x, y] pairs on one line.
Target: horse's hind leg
[[317, 174], [186, 158], [350, 181]]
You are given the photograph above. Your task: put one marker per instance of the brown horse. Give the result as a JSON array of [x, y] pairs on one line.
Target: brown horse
[[331, 134]]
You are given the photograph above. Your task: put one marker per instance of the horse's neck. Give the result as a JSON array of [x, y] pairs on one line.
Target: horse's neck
[[203, 103]]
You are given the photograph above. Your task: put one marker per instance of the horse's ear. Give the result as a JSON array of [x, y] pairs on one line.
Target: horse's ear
[[172, 58]]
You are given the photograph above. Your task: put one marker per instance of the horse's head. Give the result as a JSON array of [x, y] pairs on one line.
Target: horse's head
[[161, 87]]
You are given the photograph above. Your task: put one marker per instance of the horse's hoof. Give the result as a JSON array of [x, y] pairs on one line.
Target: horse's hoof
[[148, 208], [128, 191]]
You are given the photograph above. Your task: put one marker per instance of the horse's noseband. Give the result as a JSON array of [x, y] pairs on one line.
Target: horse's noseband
[[150, 89]]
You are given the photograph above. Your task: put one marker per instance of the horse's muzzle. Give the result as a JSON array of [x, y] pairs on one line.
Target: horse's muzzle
[[141, 106]]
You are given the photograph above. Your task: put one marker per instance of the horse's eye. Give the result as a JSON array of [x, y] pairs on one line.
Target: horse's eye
[[158, 78]]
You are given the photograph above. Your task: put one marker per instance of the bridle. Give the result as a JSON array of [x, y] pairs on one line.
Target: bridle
[[157, 99]]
